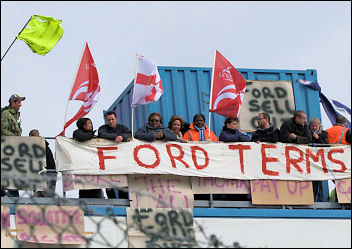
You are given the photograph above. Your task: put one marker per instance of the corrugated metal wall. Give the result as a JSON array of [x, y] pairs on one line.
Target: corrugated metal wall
[[186, 92]]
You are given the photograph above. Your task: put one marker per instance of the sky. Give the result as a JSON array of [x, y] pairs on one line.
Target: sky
[[259, 35]]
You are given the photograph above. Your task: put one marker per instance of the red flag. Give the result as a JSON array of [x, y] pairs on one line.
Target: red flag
[[148, 87], [86, 86], [228, 88]]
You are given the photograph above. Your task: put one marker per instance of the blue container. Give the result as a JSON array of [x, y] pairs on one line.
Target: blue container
[[187, 89], [186, 93]]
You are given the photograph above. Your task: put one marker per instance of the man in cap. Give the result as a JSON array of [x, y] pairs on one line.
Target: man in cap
[[10, 117], [11, 125]]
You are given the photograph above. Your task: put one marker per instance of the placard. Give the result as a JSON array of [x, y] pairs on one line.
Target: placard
[[160, 191], [160, 228], [273, 97], [214, 185], [6, 240], [48, 223], [282, 192], [71, 182], [22, 158], [343, 190]]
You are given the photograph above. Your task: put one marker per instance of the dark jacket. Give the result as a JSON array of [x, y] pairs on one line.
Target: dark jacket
[[270, 135], [147, 133], [323, 137], [50, 163], [231, 135], [83, 135], [348, 136], [303, 134], [109, 133]]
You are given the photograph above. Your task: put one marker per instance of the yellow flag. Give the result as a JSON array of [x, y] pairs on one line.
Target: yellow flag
[[41, 34]]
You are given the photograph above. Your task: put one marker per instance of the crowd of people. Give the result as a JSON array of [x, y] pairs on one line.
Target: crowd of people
[[293, 130]]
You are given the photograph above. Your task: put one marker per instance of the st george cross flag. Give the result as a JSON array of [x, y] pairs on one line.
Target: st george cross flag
[[228, 88], [332, 107], [147, 87], [86, 86]]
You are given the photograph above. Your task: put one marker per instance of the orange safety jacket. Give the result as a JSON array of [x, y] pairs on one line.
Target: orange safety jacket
[[335, 133], [193, 135]]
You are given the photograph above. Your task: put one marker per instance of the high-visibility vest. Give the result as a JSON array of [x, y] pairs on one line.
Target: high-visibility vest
[[337, 134]]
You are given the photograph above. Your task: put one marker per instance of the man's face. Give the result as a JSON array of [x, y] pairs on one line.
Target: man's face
[[112, 120], [262, 122], [199, 122], [155, 121], [301, 119], [16, 104]]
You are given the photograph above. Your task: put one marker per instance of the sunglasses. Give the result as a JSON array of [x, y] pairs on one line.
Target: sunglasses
[[154, 120]]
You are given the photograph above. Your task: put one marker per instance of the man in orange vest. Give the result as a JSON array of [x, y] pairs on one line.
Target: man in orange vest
[[339, 133]]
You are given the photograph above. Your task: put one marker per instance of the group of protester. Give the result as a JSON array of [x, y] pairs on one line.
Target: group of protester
[[293, 130]]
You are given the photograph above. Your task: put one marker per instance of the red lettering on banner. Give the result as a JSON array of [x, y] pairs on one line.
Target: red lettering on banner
[[102, 157], [179, 157], [294, 162], [315, 158], [140, 163], [240, 149], [343, 166], [266, 159], [194, 149]]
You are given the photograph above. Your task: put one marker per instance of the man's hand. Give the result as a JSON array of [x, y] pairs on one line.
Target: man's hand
[[293, 136], [118, 139], [159, 134]]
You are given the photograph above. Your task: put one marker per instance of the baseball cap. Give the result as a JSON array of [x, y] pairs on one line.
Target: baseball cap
[[16, 97]]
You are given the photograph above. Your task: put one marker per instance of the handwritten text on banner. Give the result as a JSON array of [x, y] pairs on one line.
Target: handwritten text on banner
[[242, 161]]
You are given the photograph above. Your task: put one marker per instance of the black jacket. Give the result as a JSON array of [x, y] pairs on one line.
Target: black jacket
[[270, 135], [304, 136], [348, 136], [50, 163], [231, 135], [83, 135], [109, 133], [323, 138], [147, 133]]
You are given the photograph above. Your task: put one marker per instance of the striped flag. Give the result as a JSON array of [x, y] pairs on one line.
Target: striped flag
[[86, 87], [332, 108]]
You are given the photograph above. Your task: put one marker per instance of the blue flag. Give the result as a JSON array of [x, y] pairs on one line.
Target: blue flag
[[332, 108]]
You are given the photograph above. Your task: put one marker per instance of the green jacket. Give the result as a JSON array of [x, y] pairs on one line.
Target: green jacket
[[10, 126]]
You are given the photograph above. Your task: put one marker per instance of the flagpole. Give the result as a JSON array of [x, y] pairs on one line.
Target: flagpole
[[134, 88], [15, 39], [211, 95], [79, 62]]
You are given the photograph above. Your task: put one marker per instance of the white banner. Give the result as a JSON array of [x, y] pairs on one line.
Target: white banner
[[244, 161]]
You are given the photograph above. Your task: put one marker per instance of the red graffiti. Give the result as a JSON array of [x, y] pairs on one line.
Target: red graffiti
[[294, 162], [102, 157], [240, 149], [320, 153], [140, 163], [179, 157], [343, 166], [194, 149], [266, 159]]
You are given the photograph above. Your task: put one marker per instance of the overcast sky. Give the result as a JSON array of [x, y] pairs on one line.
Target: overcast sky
[[259, 35]]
